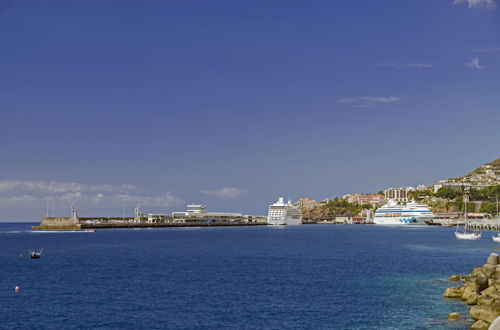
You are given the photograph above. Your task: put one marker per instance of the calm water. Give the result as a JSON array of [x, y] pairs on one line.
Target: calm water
[[305, 277]]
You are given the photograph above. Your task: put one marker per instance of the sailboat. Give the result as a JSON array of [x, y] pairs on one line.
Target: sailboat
[[467, 234], [497, 237]]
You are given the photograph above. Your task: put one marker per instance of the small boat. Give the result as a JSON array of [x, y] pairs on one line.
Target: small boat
[[467, 234], [90, 230], [431, 223], [36, 254]]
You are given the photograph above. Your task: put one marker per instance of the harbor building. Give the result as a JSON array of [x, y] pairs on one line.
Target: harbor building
[[375, 200], [198, 212], [461, 186]]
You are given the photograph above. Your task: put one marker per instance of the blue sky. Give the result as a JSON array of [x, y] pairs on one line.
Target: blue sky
[[234, 103]]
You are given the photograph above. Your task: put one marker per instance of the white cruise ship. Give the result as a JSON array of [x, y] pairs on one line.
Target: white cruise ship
[[281, 213], [412, 213]]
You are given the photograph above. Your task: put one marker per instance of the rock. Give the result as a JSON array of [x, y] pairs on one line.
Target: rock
[[454, 316], [495, 280], [495, 325], [490, 291], [467, 292], [497, 270], [489, 269], [481, 282], [492, 259], [476, 271], [456, 292], [484, 313], [485, 301], [473, 299], [496, 306], [480, 325], [455, 278]]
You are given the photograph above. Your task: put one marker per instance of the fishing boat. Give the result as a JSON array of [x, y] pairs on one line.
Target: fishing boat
[[497, 237], [36, 254], [467, 234]]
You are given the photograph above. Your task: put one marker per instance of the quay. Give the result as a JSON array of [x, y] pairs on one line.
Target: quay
[[482, 224], [77, 223]]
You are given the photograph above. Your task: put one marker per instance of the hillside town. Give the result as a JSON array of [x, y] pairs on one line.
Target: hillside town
[[445, 197]]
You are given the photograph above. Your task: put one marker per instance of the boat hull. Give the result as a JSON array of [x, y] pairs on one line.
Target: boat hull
[[403, 220], [285, 222], [496, 238], [468, 236]]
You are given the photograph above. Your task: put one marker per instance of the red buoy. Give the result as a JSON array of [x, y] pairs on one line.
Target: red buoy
[[17, 289]]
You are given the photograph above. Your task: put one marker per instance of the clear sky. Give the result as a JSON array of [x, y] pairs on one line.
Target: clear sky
[[234, 103]]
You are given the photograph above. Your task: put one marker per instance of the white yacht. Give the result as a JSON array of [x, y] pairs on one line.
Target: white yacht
[[281, 213], [412, 213]]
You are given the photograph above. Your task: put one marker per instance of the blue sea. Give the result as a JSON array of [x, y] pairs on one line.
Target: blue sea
[[303, 277]]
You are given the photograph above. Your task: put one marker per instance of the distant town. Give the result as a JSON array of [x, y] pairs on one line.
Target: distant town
[[445, 198]]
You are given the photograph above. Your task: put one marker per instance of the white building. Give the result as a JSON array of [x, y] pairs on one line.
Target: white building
[[398, 194], [199, 211]]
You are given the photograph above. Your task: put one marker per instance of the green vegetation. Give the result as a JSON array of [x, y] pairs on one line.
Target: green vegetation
[[337, 207], [489, 207], [481, 200]]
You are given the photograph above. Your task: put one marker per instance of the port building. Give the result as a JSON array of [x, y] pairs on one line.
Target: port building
[[198, 212]]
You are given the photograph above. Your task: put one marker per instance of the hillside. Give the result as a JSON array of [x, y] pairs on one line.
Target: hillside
[[487, 174]]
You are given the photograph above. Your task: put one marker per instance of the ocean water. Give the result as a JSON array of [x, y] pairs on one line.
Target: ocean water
[[304, 277]]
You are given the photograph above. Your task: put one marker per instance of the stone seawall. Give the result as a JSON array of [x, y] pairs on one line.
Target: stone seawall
[[58, 223]]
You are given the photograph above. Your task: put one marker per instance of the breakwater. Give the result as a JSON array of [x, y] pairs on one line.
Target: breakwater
[[480, 290], [67, 223], [172, 225]]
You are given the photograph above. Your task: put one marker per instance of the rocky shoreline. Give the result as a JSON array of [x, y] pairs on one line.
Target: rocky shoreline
[[481, 290]]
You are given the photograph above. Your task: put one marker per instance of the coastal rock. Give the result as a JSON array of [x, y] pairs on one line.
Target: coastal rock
[[484, 313], [495, 281], [481, 282], [455, 292], [467, 292], [476, 271], [486, 301], [497, 270], [480, 325], [492, 259], [489, 269], [454, 278], [496, 306], [454, 316], [473, 299], [495, 325], [490, 291]]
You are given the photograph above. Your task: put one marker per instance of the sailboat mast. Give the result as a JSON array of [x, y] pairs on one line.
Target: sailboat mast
[[498, 220], [466, 200]]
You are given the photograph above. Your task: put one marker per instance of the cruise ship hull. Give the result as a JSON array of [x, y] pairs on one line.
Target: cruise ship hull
[[287, 222], [403, 220]]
